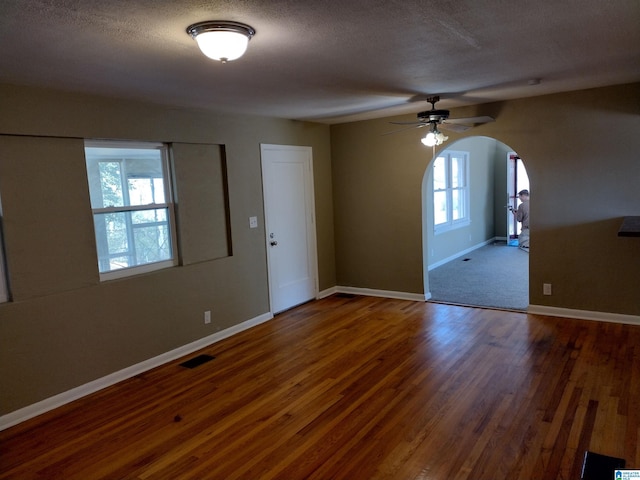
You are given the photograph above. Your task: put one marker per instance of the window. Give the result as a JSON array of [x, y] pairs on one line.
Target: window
[[131, 203], [450, 191]]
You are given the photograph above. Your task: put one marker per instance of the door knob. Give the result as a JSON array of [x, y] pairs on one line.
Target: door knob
[[274, 243]]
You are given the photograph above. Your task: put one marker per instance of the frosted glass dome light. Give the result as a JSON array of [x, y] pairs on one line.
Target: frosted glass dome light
[[221, 40]]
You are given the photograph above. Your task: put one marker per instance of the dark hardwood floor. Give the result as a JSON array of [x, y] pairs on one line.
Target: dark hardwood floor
[[359, 388]]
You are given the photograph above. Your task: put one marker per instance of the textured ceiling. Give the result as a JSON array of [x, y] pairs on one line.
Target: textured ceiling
[[328, 61]]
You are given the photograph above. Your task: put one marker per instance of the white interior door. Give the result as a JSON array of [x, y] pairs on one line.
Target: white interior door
[[287, 177]]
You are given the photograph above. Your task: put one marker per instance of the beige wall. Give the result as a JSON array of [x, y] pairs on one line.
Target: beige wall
[[64, 328], [581, 153]]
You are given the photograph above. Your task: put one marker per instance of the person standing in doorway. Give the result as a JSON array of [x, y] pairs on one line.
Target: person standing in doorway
[[522, 216]]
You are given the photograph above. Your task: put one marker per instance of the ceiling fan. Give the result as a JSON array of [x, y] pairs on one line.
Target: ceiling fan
[[434, 117]]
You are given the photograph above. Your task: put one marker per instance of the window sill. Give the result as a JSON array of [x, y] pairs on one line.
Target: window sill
[[132, 271]]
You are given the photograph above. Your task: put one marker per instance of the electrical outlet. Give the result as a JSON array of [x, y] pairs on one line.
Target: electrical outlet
[[253, 222], [546, 289], [207, 316]]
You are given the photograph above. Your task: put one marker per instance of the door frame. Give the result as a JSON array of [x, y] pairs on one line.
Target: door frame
[[514, 184], [312, 249]]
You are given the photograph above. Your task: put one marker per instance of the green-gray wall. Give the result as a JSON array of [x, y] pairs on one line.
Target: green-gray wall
[[581, 154], [64, 328]]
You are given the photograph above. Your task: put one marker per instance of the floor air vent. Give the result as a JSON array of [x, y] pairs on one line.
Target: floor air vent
[[197, 361]]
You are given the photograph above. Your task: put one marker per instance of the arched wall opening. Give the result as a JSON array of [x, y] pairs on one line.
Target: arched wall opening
[[488, 197]]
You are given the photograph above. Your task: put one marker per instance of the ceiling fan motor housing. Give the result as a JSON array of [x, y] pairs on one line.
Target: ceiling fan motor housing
[[433, 115]]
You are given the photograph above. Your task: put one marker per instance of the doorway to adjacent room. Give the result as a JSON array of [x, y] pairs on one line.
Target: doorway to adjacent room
[[475, 263], [517, 180]]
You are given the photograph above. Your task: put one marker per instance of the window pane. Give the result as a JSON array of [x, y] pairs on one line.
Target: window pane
[[149, 216], [130, 239], [145, 180], [457, 172], [152, 243], [440, 208], [439, 174], [110, 184], [158, 190], [116, 233], [111, 239], [450, 200], [457, 204], [125, 176], [140, 191]]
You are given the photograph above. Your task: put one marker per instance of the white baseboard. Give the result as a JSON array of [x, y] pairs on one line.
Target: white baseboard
[[584, 314], [327, 293], [416, 297], [533, 309], [460, 254], [63, 398]]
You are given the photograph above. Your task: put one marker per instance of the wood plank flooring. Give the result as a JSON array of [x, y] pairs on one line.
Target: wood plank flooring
[[359, 388]]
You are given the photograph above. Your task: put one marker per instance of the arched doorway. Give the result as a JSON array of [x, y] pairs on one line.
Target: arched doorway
[[467, 255]]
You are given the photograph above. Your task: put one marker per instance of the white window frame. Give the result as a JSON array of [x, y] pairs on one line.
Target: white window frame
[[168, 205], [465, 218]]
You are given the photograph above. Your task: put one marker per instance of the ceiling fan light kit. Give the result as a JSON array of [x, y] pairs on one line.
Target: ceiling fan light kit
[[221, 40], [434, 137]]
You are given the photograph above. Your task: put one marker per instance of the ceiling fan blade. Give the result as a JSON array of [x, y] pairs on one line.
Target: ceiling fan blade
[[408, 123], [471, 120], [455, 127], [407, 128]]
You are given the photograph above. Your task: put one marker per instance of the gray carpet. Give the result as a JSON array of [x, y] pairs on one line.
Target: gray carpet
[[495, 276]]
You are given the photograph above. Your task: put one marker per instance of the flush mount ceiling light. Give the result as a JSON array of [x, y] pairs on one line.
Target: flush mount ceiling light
[[434, 137], [221, 40]]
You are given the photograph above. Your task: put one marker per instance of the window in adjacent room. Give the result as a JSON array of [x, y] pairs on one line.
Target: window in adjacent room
[[132, 208], [451, 190]]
